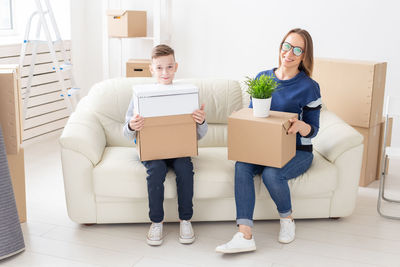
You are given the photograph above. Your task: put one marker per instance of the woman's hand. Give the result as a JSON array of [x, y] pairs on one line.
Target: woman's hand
[[299, 126], [136, 123], [199, 115]]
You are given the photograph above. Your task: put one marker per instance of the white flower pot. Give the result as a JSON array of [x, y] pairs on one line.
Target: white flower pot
[[261, 107]]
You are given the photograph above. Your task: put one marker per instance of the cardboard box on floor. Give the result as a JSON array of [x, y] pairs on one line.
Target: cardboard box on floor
[[262, 141], [370, 155], [382, 126], [11, 107], [127, 23], [169, 129], [16, 166], [138, 68], [354, 90]]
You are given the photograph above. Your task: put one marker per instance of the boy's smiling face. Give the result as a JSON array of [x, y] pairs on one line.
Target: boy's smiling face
[[163, 69]]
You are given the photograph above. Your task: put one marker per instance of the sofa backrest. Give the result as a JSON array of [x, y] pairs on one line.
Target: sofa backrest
[[221, 97], [109, 100]]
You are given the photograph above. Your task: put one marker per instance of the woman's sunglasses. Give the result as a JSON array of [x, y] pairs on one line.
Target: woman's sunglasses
[[297, 51]]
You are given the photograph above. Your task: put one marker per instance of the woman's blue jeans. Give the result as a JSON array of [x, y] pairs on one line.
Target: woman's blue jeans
[[276, 181], [157, 170]]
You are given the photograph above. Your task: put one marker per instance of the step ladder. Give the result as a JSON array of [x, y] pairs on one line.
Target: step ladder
[[69, 94]]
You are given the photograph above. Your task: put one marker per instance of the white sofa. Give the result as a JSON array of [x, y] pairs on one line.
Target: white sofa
[[106, 183]]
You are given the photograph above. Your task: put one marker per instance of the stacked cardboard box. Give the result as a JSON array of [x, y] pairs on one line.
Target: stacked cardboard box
[[138, 68], [127, 23], [354, 90], [169, 129], [11, 122]]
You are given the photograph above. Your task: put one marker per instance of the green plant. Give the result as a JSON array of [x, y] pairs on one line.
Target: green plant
[[261, 88]]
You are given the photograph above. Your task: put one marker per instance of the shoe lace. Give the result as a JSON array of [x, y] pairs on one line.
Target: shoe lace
[[155, 230], [186, 228], [285, 227]]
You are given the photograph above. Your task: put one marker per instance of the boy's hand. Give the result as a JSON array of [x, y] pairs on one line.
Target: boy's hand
[[199, 115], [136, 123], [299, 126]]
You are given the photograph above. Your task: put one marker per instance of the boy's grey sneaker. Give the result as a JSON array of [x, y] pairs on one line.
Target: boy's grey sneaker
[[155, 236], [186, 233]]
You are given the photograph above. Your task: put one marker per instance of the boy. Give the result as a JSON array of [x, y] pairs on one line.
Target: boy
[[163, 68]]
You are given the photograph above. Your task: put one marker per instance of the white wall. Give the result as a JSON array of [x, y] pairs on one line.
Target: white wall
[[236, 38], [87, 42]]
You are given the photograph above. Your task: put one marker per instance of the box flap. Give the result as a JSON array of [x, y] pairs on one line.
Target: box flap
[[168, 120], [139, 61], [348, 61], [275, 117], [116, 12], [149, 90]]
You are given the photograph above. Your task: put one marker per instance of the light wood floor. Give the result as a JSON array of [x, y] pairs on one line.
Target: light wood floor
[[52, 239]]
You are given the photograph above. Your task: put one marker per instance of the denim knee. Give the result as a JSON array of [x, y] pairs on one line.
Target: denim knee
[[270, 175], [156, 169], [183, 166], [244, 170]]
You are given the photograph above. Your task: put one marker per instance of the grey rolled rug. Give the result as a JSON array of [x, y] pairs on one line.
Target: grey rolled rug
[[11, 238]]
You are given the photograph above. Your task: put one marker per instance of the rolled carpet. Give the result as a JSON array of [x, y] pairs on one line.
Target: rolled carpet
[[11, 238]]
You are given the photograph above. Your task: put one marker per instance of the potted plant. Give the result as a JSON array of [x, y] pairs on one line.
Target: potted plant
[[261, 90]]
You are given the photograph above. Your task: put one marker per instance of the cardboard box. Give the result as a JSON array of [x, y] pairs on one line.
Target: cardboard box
[[127, 23], [382, 126], [11, 107], [16, 166], [138, 68], [262, 141], [167, 137], [370, 154], [354, 90], [154, 100]]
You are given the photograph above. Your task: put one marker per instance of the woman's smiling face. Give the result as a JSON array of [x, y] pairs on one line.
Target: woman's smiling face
[[288, 59]]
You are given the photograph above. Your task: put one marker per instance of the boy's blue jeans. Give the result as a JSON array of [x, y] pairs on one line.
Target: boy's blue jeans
[[157, 170], [276, 181]]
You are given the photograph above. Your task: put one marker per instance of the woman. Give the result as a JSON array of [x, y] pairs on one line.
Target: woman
[[300, 94]]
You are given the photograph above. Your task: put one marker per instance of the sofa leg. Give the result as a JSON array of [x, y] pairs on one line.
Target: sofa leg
[[334, 218], [89, 224]]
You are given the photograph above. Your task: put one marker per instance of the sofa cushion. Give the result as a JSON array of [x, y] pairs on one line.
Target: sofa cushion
[[214, 174], [221, 96], [335, 136], [109, 100], [121, 174], [217, 136], [319, 181]]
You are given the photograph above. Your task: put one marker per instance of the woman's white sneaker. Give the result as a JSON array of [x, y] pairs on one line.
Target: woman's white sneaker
[[186, 233], [287, 232], [155, 236], [237, 244]]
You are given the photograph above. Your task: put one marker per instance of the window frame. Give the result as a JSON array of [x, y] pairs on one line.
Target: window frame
[[12, 31]]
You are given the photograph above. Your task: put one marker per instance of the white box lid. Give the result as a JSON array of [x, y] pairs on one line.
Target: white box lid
[[152, 100], [149, 90]]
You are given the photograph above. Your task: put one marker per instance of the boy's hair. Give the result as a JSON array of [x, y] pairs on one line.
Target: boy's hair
[[162, 50]]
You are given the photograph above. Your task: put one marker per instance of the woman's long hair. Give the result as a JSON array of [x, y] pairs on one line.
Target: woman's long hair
[[307, 64]]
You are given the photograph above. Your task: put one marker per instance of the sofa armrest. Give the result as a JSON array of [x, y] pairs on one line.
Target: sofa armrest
[[84, 134], [335, 136]]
